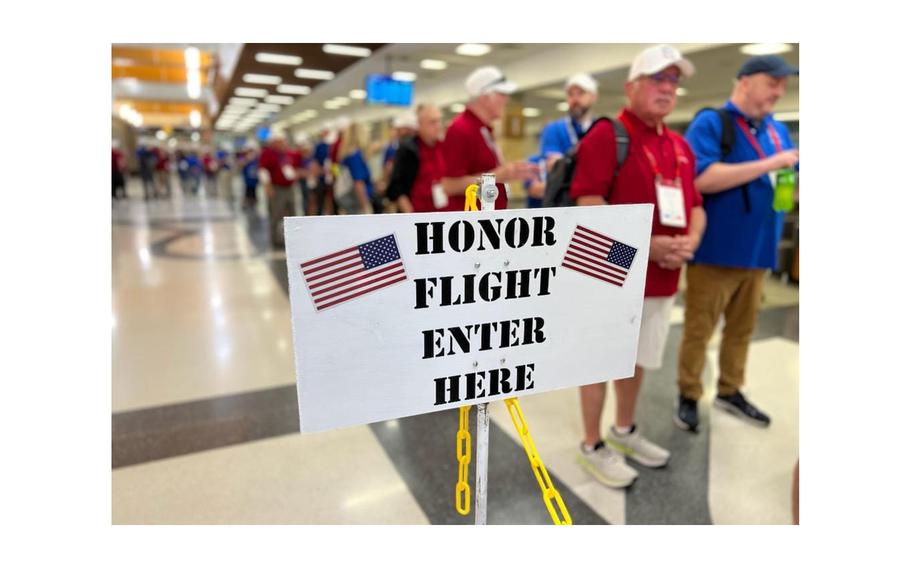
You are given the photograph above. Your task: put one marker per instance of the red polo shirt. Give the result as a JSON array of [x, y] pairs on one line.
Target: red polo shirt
[[274, 161], [431, 170], [595, 166], [469, 149]]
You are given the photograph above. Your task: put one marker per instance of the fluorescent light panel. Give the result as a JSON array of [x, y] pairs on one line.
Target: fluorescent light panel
[[473, 49], [434, 64], [358, 94], [261, 79], [251, 92], [279, 58], [765, 48], [336, 49], [279, 99], [530, 112], [318, 74], [404, 76], [294, 89]]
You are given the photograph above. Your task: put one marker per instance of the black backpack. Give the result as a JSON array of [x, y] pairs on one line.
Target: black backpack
[[726, 144], [559, 180]]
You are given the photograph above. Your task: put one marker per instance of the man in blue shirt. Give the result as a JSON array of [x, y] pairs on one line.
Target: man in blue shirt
[[741, 240], [560, 136]]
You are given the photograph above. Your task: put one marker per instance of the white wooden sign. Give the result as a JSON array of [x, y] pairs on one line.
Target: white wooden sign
[[397, 315]]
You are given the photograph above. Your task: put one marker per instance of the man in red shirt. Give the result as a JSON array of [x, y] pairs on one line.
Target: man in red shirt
[[277, 175], [415, 183], [659, 169], [469, 149]]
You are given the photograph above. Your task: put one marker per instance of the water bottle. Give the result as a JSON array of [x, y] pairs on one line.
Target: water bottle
[[784, 190]]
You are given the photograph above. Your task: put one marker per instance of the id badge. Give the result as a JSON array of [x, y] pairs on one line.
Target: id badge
[[670, 204], [440, 199]]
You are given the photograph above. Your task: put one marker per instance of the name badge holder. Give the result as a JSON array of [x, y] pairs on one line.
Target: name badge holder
[[671, 206]]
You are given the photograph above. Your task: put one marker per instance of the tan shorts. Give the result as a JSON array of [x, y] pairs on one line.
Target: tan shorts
[[655, 326]]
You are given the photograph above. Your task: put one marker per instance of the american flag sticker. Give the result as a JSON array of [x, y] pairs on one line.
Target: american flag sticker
[[599, 256], [353, 272]]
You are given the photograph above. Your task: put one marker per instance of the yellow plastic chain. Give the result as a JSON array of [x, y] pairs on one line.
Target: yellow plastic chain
[[463, 451], [470, 197], [540, 472]]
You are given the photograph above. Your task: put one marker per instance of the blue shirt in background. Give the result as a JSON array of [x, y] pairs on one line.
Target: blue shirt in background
[[560, 136], [734, 237], [251, 172], [359, 170]]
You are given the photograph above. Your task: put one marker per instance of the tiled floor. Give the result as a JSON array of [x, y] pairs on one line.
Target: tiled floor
[[204, 425]]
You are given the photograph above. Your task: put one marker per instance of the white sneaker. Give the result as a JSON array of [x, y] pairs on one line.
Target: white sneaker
[[607, 467], [638, 448]]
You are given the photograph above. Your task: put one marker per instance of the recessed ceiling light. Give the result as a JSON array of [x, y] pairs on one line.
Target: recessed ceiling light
[[681, 91], [280, 99], [563, 106], [314, 74], [473, 49], [351, 50], [294, 89], [268, 107], [279, 59], [331, 105], [765, 48], [404, 76], [242, 101], [261, 79], [457, 107], [435, 64], [195, 119], [358, 94], [191, 57], [250, 92], [530, 112]]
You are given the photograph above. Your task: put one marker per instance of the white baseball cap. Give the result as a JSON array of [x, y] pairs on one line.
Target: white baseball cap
[[658, 58], [406, 120], [342, 122], [488, 79], [583, 81]]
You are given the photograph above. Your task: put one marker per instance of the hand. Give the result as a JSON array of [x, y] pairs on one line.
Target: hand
[[661, 247], [686, 245], [270, 191], [516, 171], [785, 159], [536, 189], [672, 262], [552, 158]]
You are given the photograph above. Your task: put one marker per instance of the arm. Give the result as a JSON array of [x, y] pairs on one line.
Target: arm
[[720, 176], [404, 172], [405, 205], [361, 189]]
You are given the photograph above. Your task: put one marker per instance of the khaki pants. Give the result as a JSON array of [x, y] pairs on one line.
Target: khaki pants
[[711, 291], [281, 205]]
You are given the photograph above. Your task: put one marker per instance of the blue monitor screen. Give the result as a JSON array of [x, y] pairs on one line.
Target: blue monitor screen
[[262, 133], [382, 89]]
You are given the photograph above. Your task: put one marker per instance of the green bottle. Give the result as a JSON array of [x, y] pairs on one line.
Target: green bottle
[[784, 190]]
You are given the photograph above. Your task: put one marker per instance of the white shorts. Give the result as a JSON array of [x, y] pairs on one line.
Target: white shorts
[[655, 326]]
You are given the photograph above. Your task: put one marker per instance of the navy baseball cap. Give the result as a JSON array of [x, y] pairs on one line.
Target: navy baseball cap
[[773, 65]]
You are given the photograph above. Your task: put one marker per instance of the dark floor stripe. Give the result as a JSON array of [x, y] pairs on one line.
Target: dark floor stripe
[[140, 436], [422, 449]]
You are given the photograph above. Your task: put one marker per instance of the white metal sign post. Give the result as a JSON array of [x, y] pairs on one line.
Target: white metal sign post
[[405, 314]]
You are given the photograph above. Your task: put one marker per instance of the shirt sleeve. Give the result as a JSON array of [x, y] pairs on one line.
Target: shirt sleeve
[[549, 139], [595, 162], [697, 200], [358, 168], [456, 154], [703, 136], [267, 160]]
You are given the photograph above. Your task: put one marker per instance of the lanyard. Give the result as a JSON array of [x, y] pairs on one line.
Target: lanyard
[[491, 144], [751, 137], [570, 129], [677, 153]]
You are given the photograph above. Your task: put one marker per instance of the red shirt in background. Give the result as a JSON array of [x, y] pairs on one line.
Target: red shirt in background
[[273, 161], [596, 164], [432, 168], [469, 149], [161, 158], [117, 162]]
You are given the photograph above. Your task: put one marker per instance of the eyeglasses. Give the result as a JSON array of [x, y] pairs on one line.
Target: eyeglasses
[[665, 77]]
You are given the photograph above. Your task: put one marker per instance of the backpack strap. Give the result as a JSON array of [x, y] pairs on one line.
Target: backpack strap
[[726, 145]]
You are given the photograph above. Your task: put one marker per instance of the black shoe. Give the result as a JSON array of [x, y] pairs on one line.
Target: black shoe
[[686, 415], [737, 405]]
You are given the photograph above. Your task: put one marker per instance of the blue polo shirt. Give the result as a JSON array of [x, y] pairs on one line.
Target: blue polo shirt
[[389, 153], [734, 237], [560, 136]]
